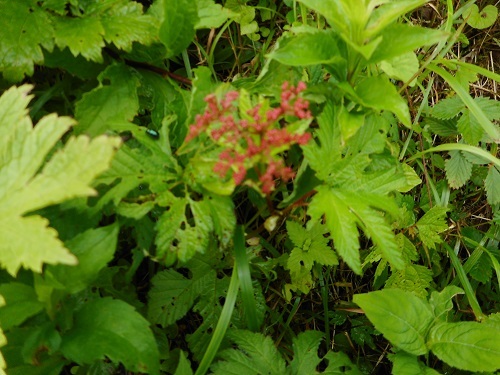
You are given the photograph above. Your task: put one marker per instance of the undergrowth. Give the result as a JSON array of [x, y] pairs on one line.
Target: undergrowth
[[249, 187]]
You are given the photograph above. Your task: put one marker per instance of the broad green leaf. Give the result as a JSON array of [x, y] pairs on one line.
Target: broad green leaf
[[211, 15], [387, 13], [408, 364], [94, 249], [492, 185], [481, 19], [401, 317], [340, 222], [333, 11], [178, 27], [401, 38], [25, 29], [441, 302], [256, 354], [304, 49], [113, 102], [401, 67], [83, 36], [244, 15], [431, 224], [468, 346], [349, 123], [112, 328], [458, 169], [184, 366], [66, 175], [20, 303], [413, 278], [370, 89]]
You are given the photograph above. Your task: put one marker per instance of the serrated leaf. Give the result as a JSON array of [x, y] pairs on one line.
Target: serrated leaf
[[94, 249], [25, 29], [340, 363], [468, 346], [492, 185], [172, 294], [306, 49], [369, 91], [20, 303], [178, 27], [470, 128], [431, 224], [256, 354], [401, 317], [83, 36], [413, 278], [112, 328], [448, 108], [108, 104], [340, 222], [66, 175], [443, 128], [458, 169], [441, 302], [125, 23], [305, 349]]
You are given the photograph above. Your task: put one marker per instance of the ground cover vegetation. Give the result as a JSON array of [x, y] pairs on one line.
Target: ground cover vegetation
[[249, 187]]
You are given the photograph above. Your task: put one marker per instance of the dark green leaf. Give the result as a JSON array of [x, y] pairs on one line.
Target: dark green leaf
[[177, 29]]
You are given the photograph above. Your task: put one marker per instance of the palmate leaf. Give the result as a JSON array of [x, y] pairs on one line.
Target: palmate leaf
[[344, 211], [26, 240]]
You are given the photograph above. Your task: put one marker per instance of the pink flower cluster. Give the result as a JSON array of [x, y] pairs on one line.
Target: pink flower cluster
[[253, 139]]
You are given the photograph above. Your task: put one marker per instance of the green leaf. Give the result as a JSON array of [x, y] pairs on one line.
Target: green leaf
[[25, 29], [402, 67], [408, 364], [340, 222], [333, 10], [305, 349], [172, 294], [470, 128], [20, 303], [458, 169], [431, 224], [244, 15], [492, 185], [94, 249], [112, 103], [441, 302], [339, 363], [256, 354], [83, 36], [448, 108], [66, 175], [369, 91], [184, 366], [401, 38], [112, 328], [413, 278], [481, 19], [211, 15], [401, 317], [468, 346], [178, 27], [307, 48]]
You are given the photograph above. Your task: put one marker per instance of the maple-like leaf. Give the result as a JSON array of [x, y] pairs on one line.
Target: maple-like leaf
[[431, 224], [27, 241]]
